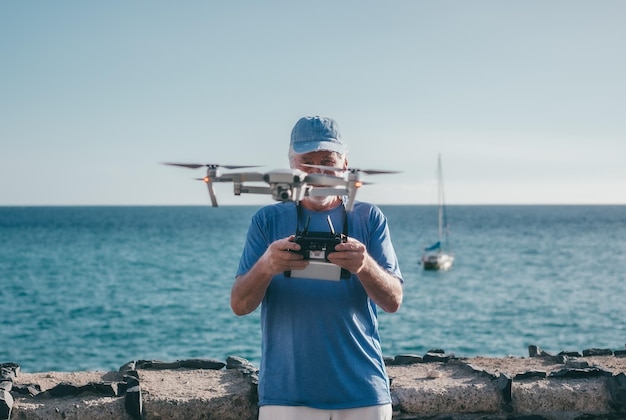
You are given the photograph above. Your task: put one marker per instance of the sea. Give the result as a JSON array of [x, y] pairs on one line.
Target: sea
[[92, 288]]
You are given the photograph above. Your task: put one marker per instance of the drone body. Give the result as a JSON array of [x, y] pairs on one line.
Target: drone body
[[285, 184]]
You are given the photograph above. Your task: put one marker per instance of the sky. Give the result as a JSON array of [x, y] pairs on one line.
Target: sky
[[524, 100]]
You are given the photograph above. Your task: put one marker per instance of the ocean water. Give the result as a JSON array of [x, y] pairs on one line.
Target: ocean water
[[91, 288]]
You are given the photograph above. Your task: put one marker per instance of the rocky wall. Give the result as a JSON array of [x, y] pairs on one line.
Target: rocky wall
[[436, 385]]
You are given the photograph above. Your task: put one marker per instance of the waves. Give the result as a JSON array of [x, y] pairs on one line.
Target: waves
[[91, 288]]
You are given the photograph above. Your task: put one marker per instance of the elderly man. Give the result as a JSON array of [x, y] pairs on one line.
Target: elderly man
[[321, 356]]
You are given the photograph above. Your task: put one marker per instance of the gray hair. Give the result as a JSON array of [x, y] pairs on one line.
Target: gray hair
[[292, 156]]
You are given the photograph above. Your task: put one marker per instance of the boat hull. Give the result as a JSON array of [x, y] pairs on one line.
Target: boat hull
[[439, 261]]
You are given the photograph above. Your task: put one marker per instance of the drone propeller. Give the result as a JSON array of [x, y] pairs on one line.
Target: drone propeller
[[239, 177], [351, 170], [213, 175], [236, 178], [325, 179], [350, 183], [209, 165], [286, 185]]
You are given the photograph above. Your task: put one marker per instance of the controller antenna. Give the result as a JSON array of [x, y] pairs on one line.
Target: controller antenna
[[306, 225], [330, 225]]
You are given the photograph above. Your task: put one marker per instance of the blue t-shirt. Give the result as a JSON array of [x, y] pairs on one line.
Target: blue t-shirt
[[320, 342]]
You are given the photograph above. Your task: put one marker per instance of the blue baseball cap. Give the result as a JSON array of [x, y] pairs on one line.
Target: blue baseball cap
[[313, 134]]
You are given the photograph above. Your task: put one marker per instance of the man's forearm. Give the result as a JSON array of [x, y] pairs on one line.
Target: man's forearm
[[249, 289], [381, 286]]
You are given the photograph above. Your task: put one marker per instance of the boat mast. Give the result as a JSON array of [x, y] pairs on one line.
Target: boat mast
[[441, 202]]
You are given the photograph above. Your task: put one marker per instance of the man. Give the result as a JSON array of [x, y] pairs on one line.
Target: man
[[321, 356]]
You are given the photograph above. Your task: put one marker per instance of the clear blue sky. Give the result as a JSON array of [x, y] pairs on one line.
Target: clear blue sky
[[525, 100]]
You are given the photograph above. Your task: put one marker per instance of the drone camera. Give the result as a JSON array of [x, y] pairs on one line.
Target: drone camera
[[282, 192]]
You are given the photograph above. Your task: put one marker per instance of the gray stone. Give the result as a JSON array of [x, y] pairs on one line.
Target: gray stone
[[531, 374], [27, 389], [133, 402], [503, 384], [535, 351], [6, 405], [236, 362], [157, 364], [132, 365], [461, 389], [13, 367], [437, 357], [108, 389], [407, 359], [64, 389], [574, 364], [131, 380], [617, 392], [580, 373], [570, 354], [7, 374], [202, 364], [597, 352]]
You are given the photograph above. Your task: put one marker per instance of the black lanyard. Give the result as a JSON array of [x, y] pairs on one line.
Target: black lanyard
[[306, 227]]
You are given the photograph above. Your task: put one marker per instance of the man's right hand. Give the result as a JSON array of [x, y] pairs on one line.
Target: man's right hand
[[279, 256]]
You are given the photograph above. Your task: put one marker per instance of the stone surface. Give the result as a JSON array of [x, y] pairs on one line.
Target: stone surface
[[461, 388], [204, 394]]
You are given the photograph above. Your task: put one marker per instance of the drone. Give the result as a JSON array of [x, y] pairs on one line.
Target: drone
[[285, 184]]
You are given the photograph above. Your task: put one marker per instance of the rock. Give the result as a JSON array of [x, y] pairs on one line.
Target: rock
[[64, 389], [407, 359], [574, 364], [188, 364], [570, 354], [580, 373], [132, 365], [531, 374], [597, 352], [133, 402], [236, 362], [6, 405], [202, 364], [157, 364], [27, 389], [131, 381], [107, 389], [437, 357], [14, 368], [617, 392], [504, 384], [245, 367], [463, 388], [535, 351]]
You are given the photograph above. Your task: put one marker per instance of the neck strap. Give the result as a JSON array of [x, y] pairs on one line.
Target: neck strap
[[299, 212]]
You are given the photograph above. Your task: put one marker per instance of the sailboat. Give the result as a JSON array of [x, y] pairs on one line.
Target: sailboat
[[436, 256]]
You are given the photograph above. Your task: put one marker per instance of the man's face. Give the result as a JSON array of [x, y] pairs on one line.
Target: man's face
[[322, 158]]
